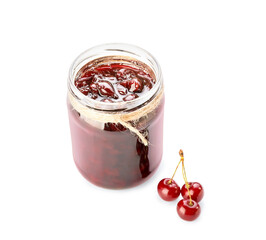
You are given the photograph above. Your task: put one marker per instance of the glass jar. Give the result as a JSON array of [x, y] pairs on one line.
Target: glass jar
[[131, 154]]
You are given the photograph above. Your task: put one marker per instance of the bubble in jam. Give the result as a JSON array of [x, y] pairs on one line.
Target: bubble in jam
[[114, 82]]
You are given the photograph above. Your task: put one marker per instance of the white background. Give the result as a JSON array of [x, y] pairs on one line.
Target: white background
[[213, 58]]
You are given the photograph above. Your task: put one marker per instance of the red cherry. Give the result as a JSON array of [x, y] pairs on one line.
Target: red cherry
[[195, 189], [167, 190], [94, 88], [114, 127], [83, 82], [186, 211], [106, 89], [133, 85]]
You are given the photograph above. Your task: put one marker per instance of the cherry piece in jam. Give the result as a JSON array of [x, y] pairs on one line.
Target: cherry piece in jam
[[168, 189], [114, 127], [133, 85], [195, 189], [115, 82], [188, 211], [106, 89]]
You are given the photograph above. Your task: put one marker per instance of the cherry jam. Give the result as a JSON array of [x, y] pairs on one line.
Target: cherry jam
[[113, 82], [108, 154]]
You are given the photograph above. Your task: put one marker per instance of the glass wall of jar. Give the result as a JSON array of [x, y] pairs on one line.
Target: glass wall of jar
[[116, 107]]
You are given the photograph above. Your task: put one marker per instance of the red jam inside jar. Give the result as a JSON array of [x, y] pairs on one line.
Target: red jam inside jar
[[108, 154], [113, 82]]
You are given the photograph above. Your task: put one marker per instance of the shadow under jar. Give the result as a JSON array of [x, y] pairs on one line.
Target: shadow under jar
[[116, 107]]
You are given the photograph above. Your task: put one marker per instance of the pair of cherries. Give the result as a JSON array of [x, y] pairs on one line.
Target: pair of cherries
[[192, 192]]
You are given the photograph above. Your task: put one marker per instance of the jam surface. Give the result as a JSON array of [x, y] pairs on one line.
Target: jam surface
[[113, 82]]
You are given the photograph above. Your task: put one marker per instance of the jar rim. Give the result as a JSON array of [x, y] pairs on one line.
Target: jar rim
[[115, 49]]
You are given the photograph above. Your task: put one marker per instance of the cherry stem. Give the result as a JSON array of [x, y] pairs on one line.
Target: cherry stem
[[170, 181], [185, 176], [181, 160]]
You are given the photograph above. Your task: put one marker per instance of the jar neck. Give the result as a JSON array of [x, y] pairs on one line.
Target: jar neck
[[116, 53]]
